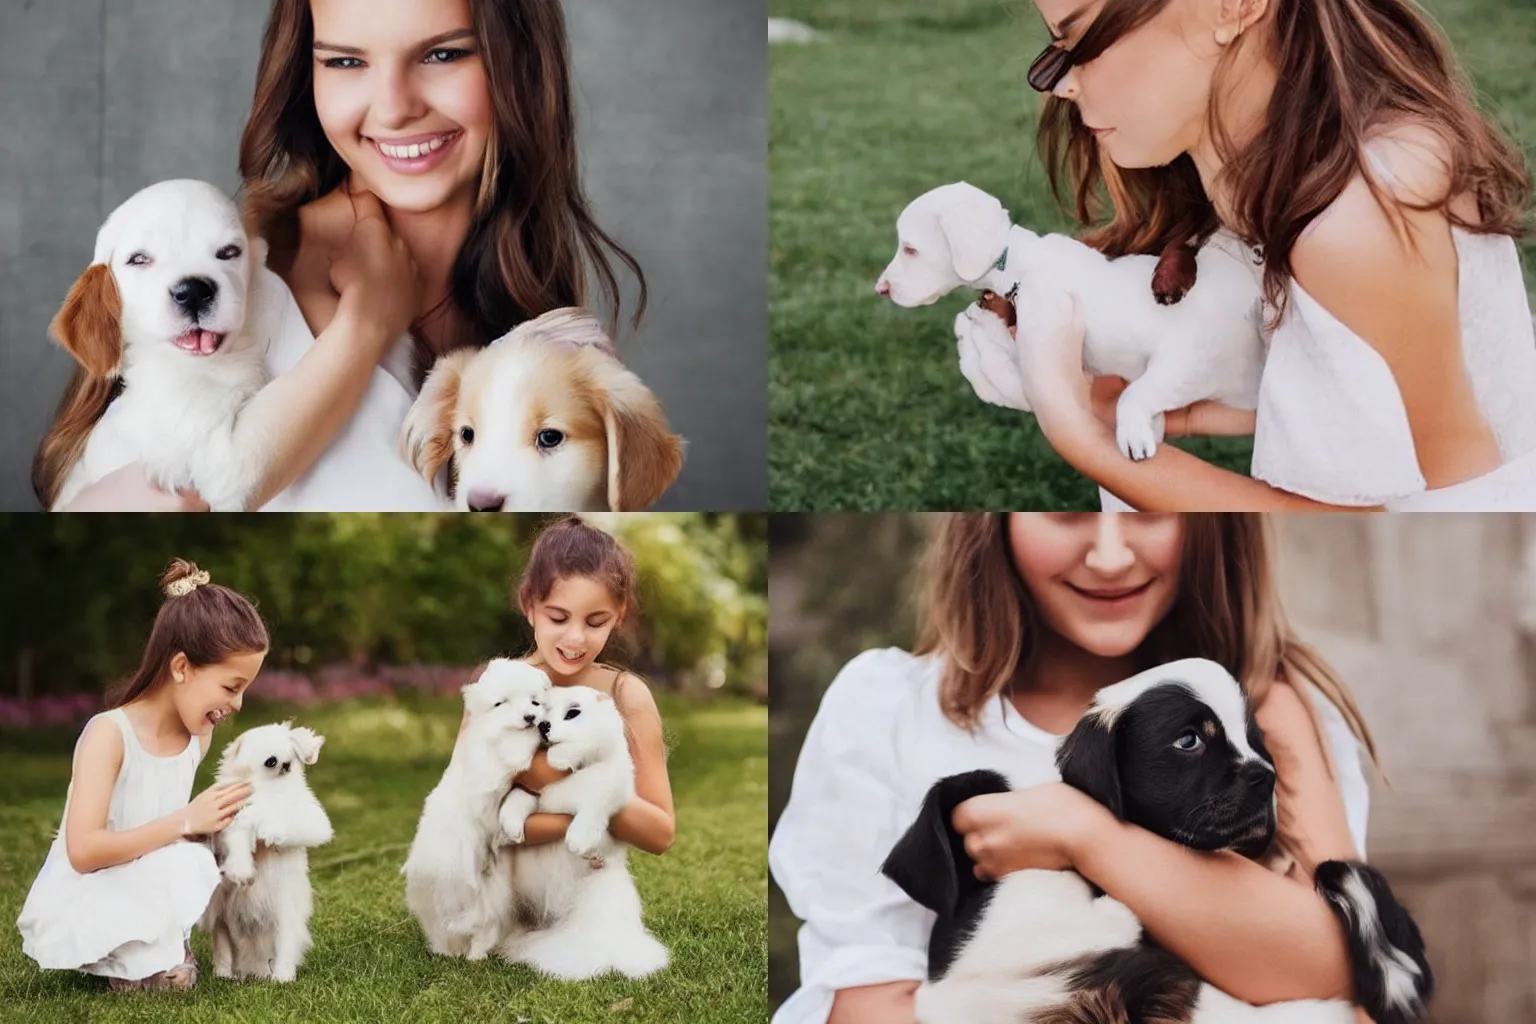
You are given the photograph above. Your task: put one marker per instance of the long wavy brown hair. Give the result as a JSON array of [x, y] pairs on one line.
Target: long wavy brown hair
[[533, 238], [1345, 68], [979, 615]]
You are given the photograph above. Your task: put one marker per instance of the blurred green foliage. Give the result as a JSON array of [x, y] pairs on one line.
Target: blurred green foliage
[[79, 593]]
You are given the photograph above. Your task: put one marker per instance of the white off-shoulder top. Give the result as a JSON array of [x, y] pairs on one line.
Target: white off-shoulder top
[[878, 741]]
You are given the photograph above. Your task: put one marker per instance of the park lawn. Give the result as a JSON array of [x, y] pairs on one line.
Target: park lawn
[[705, 899], [867, 406]]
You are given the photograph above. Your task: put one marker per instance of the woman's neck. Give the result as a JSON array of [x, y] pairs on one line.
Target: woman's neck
[[434, 238], [1248, 92], [1062, 681]]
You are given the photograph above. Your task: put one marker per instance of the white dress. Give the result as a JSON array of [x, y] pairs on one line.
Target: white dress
[[879, 740], [129, 920], [1331, 424]]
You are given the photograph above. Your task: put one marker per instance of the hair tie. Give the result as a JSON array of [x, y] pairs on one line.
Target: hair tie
[[187, 584]]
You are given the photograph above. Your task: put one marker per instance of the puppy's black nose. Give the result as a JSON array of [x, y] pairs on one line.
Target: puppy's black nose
[[485, 501], [1257, 776], [193, 294], [528, 719], [543, 728]]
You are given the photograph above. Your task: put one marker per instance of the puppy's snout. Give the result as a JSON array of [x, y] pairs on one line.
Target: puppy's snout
[[883, 287], [1257, 777], [193, 294], [486, 501], [543, 728]]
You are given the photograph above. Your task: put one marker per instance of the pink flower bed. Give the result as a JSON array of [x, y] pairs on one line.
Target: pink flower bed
[[331, 683]]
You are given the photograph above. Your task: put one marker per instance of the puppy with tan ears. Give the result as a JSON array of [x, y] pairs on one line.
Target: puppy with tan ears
[[159, 324], [544, 419]]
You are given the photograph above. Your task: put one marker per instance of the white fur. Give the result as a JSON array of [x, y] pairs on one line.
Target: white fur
[[456, 881], [559, 373], [259, 914], [178, 412], [581, 921], [1207, 346]]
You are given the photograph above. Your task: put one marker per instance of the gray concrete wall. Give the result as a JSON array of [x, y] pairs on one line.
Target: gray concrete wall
[[101, 97]]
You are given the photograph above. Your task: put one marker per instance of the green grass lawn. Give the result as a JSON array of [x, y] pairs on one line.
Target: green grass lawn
[[705, 899], [868, 409]]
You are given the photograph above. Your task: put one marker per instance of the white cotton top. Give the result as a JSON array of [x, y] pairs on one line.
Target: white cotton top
[[361, 470], [878, 742], [129, 920], [1331, 424]]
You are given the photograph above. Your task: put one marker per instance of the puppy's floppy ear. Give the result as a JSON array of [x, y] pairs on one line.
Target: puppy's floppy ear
[[929, 861], [89, 325], [976, 226], [1087, 761], [426, 437], [306, 744], [477, 698], [644, 456]]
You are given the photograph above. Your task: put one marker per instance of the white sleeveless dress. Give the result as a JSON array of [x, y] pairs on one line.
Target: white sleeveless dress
[[1331, 424], [130, 920]]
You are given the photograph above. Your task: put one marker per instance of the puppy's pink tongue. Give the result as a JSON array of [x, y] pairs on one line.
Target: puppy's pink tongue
[[199, 343]]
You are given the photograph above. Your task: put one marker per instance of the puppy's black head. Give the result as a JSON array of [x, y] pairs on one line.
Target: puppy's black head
[[1176, 752]]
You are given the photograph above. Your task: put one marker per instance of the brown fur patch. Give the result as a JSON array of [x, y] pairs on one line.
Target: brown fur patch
[[1209, 728], [88, 324], [1175, 274], [999, 305]]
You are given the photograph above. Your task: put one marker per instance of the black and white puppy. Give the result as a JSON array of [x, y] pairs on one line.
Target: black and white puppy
[[1176, 751]]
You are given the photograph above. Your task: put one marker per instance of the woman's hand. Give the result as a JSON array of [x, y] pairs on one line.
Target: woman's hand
[[214, 808], [129, 490], [1042, 827], [539, 774], [374, 272], [1051, 367]]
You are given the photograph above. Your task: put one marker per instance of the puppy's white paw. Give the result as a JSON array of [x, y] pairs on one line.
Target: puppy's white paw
[[240, 871], [562, 758], [583, 839], [285, 974], [1138, 436]]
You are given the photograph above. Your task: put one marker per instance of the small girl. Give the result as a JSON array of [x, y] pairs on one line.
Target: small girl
[[576, 589], [1028, 615], [125, 879]]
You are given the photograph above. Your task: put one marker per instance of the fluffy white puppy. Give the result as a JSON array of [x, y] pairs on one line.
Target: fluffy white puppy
[[456, 881], [544, 419], [1208, 346], [582, 921], [259, 914], [159, 320]]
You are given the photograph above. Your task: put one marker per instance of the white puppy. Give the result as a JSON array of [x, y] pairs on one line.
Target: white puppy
[[456, 881], [544, 419], [1208, 346], [259, 914], [583, 921], [161, 315]]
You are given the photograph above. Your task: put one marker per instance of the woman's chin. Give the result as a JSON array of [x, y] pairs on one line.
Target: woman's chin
[[404, 194]]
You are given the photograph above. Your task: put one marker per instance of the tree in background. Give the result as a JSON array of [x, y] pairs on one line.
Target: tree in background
[[78, 592]]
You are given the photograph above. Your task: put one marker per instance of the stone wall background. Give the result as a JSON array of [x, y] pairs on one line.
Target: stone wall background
[[1431, 620]]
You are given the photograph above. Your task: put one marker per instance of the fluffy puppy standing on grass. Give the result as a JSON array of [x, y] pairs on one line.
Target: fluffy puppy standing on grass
[[456, 880], [259, 914], [580, 920], [544, 419]]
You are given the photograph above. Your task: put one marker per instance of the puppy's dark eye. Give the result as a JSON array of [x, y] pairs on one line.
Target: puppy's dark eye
[[907, 250], [139, 259], [498, 704], [533, 702], [549, 438], [467, 435], [1189, 740], [229, 252], [572, 713], [270, 762]]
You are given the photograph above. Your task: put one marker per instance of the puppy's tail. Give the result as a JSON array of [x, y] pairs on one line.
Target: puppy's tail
[[1391, 972]]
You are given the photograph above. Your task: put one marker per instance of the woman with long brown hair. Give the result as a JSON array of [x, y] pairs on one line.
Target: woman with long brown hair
[[412, 166], [1027, 616], [1341, 140]]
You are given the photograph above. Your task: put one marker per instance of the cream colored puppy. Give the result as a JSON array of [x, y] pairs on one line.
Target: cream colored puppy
[[545, 419]]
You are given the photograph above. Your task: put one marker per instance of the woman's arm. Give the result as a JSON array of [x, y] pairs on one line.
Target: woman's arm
[[648, 822], [891, 1003], [1200, 419], [296, 415]]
